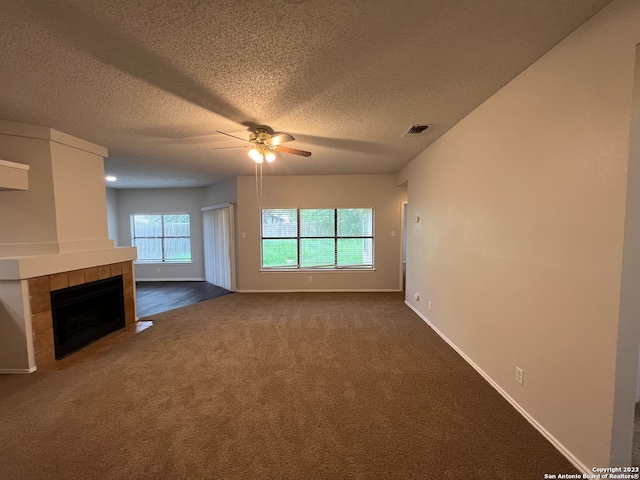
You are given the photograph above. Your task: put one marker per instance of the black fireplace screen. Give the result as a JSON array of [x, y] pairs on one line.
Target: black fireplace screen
[[84, 313]]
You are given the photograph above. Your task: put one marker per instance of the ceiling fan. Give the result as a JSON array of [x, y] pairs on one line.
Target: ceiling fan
[[265, 144]]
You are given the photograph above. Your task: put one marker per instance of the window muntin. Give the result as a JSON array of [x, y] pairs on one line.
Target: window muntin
[[327, 238], [162, 237]]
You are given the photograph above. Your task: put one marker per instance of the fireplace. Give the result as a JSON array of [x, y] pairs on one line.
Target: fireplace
[[85, 313], [44, 290], [59, 238]]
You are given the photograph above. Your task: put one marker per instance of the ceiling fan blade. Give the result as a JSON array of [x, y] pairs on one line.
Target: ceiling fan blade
[[233, 136], [293, 151], [278, 138]]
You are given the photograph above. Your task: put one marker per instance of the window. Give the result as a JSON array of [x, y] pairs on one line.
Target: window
[[317, 238], [162, 237]]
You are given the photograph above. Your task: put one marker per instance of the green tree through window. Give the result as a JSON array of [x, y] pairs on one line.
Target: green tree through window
[[317, 238]]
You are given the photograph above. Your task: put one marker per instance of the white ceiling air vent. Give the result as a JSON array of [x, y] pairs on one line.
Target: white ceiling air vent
[[415, 130]]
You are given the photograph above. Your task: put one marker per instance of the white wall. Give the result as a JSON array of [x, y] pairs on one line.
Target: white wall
[[176, 200], [321, 191], [521, 238]]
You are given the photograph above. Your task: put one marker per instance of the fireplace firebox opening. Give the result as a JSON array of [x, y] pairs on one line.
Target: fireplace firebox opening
[[84, 313]]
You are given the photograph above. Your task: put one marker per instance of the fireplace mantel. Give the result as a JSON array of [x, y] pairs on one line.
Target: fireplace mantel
[[19, 268]]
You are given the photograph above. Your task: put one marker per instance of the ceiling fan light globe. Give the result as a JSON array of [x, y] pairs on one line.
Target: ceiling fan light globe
[[255, 155], [270, 156]]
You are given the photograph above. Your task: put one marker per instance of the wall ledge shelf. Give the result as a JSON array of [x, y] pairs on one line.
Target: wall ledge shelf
[[13, 176]]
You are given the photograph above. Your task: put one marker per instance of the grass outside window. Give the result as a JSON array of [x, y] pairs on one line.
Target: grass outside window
[[317, 238]]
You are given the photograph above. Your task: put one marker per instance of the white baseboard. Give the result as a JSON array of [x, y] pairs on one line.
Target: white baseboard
[[170, 280], [17, 370], [554, 441], [309, 290]]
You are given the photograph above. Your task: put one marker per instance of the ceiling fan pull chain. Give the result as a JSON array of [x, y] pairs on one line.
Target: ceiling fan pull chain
[[258, 199]]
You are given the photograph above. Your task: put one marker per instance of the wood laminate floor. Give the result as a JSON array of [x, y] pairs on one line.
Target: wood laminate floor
[[157, 297]]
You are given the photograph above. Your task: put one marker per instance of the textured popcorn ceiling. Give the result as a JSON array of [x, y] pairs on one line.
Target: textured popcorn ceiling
[[152, 80]]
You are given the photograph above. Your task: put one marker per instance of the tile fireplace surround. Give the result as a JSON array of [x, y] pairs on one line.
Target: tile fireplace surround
[[41, 287]]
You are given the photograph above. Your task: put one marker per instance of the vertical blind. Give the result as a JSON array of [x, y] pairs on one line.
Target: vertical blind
[[217, 245]]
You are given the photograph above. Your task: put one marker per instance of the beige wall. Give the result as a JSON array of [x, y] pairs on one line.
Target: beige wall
[[166, 200], [519, 247], [16, 347], [112, 215], [64, 209], [13, 176], [318, 191], [629, 326], [33, 211], [80, 196], [222, 192]]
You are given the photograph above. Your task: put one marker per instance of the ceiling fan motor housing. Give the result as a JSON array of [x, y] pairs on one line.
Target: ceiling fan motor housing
[[260, 136]]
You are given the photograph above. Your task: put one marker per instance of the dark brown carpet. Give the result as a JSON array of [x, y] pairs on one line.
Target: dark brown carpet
[[271, 386]]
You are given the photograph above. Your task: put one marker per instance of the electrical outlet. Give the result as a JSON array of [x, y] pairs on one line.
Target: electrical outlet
[[310, 279], [519, 375], [416, 296]]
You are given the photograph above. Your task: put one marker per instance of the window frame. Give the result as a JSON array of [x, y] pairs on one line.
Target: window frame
[[162, 238], [336, 238]]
